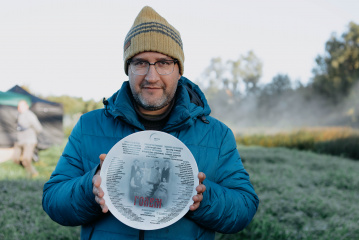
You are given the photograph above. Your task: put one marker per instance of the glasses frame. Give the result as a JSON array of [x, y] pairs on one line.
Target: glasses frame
[[175, 61]]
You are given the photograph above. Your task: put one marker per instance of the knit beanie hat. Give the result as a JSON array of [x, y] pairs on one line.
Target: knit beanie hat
[[152, 33]]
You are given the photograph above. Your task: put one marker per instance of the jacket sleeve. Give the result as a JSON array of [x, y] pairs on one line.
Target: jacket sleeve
[[67, 196], [229, 202]]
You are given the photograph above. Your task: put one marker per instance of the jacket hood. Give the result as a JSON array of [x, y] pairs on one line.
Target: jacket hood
[[190, 104]]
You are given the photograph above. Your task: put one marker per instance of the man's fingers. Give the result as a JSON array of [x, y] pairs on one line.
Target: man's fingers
[[104, 208], [197, 198], [98, 192], [100, 200], [96, 180], [201, 177], [196, 202], [194, 206], [102, 204], [201, 188], [94, 190]]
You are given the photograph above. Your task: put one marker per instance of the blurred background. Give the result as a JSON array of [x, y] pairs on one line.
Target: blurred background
[[283, 75]]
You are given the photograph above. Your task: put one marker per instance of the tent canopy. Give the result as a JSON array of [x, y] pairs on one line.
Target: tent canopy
[[19, 90], [12, 99]]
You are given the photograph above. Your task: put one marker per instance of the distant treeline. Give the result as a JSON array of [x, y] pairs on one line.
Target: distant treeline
[[330, 98], [75, 105]]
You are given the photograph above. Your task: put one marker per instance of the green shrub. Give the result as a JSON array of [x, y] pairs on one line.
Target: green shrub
[[258, 229], [303, 195], [346, 147], [339, 141]]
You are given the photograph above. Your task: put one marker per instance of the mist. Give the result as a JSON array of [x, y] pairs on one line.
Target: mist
[[285, 111]]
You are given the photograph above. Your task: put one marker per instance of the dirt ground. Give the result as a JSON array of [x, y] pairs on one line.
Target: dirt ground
[[6, 154]]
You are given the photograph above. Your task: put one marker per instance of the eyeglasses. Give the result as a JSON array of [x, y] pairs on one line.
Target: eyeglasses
[[163, 67]]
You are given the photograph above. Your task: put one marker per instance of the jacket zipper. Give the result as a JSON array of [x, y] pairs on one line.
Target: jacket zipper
[[141, 235]]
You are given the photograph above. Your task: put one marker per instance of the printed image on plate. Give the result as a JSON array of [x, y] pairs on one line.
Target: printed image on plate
[[149, 179]]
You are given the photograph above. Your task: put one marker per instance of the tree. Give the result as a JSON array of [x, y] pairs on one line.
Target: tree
[[338, 70], [250, 71], [280, 84], [74, 105], [275, 94], [219, 75], [213, 74], [235, 67]]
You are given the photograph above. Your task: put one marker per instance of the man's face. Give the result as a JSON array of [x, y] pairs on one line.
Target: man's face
[[22, 106], [153, 92]]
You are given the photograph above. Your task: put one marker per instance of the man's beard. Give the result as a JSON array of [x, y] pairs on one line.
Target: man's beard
[[158, 104]]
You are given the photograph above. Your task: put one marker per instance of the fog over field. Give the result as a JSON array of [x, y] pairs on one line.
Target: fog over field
[[285, 112]]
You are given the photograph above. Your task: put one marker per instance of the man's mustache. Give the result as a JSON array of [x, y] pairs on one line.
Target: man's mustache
[[148, 85]]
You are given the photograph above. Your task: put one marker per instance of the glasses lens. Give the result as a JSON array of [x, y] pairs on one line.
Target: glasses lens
[[139, 67], [164, 67]]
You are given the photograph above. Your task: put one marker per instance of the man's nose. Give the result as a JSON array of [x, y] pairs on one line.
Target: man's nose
[[152, 74]]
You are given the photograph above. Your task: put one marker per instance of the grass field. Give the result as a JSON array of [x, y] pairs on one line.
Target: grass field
[[303, 196], [21, 214]]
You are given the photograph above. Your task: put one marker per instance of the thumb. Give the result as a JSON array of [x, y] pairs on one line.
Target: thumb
[[102, 158]]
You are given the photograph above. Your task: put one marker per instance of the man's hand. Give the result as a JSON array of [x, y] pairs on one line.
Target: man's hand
[[200, 190], [97, 190]]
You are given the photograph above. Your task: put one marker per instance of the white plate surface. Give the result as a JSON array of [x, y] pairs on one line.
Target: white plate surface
[[149, 179]]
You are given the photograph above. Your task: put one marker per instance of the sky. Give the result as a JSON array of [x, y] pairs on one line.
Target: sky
[[75, 47]]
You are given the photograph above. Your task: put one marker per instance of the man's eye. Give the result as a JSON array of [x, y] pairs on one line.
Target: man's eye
[[163, 63], [139, 63]]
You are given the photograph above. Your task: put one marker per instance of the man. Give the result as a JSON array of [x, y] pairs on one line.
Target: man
[[136, 185], [134, 168], [165, 175], [156, 97], [155, 178], [28, 126]]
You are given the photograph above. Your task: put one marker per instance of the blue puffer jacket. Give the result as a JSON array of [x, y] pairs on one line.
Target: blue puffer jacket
[[228, 205]]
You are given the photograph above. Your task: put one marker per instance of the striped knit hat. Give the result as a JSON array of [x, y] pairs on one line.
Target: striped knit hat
[[152, 33]]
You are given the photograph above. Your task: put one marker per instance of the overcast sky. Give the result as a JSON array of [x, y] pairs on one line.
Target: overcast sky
[[75, 47]]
